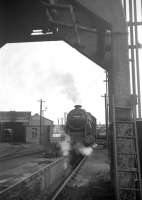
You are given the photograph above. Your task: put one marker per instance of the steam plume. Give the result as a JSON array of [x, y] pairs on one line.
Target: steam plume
[[87, 151], [65, 145], [67, 84], [65, 148]]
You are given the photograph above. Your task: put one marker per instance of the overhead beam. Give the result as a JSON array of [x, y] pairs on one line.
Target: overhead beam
[[112, 12]]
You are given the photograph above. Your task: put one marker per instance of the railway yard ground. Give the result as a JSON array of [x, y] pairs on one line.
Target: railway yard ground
[[15, 150], [92, 180], [19, 161]]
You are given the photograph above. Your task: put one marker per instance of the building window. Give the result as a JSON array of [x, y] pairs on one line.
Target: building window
[[34, 132]]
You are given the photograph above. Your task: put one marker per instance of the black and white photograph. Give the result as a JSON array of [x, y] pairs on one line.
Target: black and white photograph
[[71, 100]]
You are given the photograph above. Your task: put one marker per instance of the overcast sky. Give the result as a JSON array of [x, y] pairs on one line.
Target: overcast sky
[[53, 71]]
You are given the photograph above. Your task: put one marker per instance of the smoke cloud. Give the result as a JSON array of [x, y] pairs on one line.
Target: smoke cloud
[[67, 84]]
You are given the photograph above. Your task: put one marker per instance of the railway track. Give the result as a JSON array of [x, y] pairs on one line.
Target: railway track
[[90, 180], [33, 185], [17, 154], [10, 151], [58, 195]]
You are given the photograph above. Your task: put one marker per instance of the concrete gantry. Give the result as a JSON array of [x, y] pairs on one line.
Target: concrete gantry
[[119, 80], [97, 29]]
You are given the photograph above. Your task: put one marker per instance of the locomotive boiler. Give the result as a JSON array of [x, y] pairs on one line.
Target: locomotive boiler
[[81, 126]]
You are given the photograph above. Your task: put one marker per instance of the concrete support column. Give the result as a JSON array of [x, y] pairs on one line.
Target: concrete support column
[[120, 69], [119, 76]]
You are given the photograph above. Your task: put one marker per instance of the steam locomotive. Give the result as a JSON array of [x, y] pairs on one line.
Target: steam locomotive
[[81, 126]]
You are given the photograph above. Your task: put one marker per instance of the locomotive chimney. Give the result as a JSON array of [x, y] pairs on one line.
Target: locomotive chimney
[[77, 106]]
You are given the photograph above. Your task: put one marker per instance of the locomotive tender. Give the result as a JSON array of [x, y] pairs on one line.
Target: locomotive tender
[[81, 126]]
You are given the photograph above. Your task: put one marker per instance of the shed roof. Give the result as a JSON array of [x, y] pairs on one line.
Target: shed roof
[[36, 115]]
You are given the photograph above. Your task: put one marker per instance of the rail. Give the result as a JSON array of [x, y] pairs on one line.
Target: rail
[[60, 189], [36, 184], [19, 155]]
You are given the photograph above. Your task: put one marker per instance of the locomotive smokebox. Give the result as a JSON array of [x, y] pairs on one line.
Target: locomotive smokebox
[[77, 106], [77, 118]]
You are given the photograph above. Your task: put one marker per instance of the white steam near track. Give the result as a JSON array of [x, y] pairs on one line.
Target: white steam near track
[[65, 145], [87, 151]]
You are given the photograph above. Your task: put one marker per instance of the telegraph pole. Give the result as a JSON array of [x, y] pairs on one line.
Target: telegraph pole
[[106, 95], [40, 132]]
